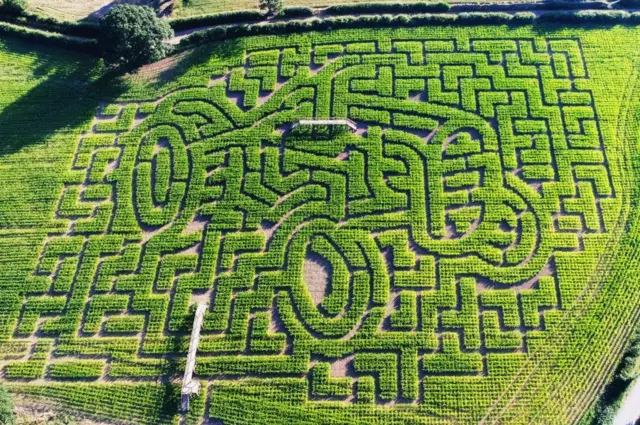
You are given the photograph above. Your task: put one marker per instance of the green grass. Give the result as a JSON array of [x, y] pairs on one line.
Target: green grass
[[56, 90], [74, 10], [479, 230], [66, 9]]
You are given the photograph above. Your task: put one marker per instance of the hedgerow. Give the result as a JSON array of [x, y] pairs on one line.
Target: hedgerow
[[79, 29], [48, 38], [587, 17], [595, 16], [295, 12], [179, 24], [515, 6], [468, 251], [14, 7], [420, 7], [628, 3]]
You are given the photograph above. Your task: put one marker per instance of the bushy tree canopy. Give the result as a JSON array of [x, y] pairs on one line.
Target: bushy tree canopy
[[133, 36], [16, 7], [273, 6]]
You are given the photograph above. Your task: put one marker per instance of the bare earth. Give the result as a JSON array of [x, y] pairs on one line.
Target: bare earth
[[316, 277]]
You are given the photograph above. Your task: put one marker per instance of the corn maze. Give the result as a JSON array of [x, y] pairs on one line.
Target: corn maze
[[436, 245]]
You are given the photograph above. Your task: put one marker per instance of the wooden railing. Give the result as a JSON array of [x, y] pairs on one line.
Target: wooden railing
[[352, 125], [189, 386]]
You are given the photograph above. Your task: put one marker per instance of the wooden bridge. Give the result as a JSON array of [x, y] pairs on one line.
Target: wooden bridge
[[346, 122], [189, 385]]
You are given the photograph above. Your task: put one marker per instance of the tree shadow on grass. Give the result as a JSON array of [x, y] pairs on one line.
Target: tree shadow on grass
[[73, 85], [65, 97], [170, 401], [52, 107]]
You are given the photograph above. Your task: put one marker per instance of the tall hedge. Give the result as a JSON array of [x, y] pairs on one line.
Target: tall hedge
[[225, 18], [77, 29], [15, 7], [296, 12], [371, 8], [493, 18], [48, 38]]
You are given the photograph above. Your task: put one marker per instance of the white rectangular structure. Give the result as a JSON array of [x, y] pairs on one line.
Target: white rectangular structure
[[352, 125], [189, 386]]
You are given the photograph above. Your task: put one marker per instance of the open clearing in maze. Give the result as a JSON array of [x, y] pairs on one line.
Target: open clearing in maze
[[466, 255]]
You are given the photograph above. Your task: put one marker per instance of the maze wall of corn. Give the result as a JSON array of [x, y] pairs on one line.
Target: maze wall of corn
[[468, 254]]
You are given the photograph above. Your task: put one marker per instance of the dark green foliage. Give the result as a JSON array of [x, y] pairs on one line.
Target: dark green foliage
[[133, 36], [630, 365], [546, 5], [295, 12], [80, 29], [271, 6], [7, 416], [315, 24], [607, 405], [560, 4], [629, 3], [14, 7], [48, 38], [587, 16], [483, 18], [420, 7], [523, 17], [226, 18], [567, 4]]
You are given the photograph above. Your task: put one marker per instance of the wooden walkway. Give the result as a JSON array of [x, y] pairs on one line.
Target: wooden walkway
[[352, 125], [189, 385]]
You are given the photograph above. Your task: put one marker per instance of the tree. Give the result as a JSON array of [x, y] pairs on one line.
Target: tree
[[133, 36], [6, 408], [272, 6], [14, 7]]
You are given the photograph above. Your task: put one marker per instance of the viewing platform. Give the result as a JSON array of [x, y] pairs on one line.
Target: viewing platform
[[346, 122], [190, 386]]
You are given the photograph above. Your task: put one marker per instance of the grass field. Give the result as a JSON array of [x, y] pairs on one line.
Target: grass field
[[74, 10], [67, 9], [467, 255]]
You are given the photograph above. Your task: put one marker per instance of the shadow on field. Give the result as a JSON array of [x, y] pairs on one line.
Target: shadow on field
[[66, 96], [56, 105], [72, 86], [170, 401]]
